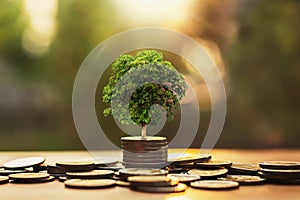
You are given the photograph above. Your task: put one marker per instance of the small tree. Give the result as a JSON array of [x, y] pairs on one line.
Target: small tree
[[163, 86]]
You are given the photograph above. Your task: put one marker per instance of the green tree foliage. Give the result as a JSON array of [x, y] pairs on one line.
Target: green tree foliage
[[164, 86]]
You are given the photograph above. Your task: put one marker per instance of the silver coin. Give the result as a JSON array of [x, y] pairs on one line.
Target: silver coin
[[215, 184], [22, 163]]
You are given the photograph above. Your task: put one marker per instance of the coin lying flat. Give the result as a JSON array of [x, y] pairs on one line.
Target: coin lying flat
[[214, 163], [76, 166], [181, 187], [143, 139], [94, 174], [243, 169], [122, 183], [114, 167], [215, 185], [244, 180], [4, 179], [22, 163], [6, 172], [62, 178], [124, 173], [102, 161], [44, 180], [280, 174], [175, 158], [89, 184], [208, 173], [280, 165], [155, 181], [184, 178], [28, 176]]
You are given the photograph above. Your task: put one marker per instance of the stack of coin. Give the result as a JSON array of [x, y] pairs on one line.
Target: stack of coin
[[145, 152], [282, 172]]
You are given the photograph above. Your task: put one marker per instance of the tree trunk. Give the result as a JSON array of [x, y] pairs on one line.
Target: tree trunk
[[144, 130]]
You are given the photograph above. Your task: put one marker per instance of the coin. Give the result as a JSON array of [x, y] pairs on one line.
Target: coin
[[28, 176], [124, 173], [76, 166], [184, 178], [22, 163], [62, 178], [102, 161], [114, 167], [52, 169], [4, 179], [181, 187], [157, 181], [90, 183], [280, 174], [143, 139], [122, 183], [208, 173], [43, 180], [40, 167], [94, 174], [174, 158], [244, 180], [215, 184], [243, 169], [280, 165], [145, 165], [6, 172], [213, 163], [285, 181]]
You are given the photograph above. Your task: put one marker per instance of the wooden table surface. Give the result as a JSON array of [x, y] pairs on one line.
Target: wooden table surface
[[56, 190]]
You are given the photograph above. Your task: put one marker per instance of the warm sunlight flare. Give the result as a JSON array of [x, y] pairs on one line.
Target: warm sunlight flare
[[41, 28], [154, 11]]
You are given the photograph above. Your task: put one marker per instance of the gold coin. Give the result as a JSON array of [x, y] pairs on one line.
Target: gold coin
[[244, 180], [215, 185], [91, 183], [208, 173], [4, 179], [28, 176]]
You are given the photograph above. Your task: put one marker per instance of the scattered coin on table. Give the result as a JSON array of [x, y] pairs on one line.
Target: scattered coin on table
[[215, 184], [244, 179], [197, 171], [22, 163], [89, 184]]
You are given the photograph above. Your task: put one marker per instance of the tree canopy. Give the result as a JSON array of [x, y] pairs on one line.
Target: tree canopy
[[154, 80]]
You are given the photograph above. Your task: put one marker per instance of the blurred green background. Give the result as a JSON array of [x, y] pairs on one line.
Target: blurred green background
[[255, 43]]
